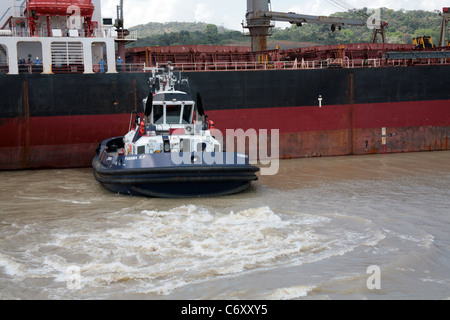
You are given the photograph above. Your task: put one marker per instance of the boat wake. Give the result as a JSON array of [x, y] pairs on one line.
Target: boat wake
[[156, 252]]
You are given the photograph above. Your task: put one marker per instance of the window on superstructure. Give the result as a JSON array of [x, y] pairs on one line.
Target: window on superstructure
[[187, 114], [158, 114], [173, 113]]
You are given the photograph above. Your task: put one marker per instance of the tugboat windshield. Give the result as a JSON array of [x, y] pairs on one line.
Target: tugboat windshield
[[187, 112], [173, 113], [158, 114]]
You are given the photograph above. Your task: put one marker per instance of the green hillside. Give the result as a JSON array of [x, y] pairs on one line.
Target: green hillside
[[403, 25], [152, 29], [184, 33]]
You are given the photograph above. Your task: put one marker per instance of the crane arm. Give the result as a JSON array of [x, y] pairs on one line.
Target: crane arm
[[295, 18], [259, 17]]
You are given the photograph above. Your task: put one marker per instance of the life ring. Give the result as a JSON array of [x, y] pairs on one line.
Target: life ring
[[96, 68], [279, 65]]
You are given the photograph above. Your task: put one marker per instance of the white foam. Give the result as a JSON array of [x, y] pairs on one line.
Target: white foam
[[11, 267], [190, 242], [74, 201], [161, 251], [425, 241], [290, 293]]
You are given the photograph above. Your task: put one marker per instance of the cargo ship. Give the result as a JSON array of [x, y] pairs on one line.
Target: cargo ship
[[65, 88]]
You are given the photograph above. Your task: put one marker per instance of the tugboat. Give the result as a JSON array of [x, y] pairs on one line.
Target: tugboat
[[171, 152]]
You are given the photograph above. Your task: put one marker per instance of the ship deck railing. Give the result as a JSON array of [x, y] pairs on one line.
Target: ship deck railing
[[316, 64], [236, 66], [80, 33]]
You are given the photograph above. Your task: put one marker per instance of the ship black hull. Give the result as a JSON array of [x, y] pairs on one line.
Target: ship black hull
[[56, 121]]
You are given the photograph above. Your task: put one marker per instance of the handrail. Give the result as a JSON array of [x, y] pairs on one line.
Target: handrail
[[315, 64], [235, 66], [99, 33], [6, 12]]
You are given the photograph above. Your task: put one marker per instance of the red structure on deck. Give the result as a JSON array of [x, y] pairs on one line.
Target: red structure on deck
[[74, 9], [189, 54], [207, 57]]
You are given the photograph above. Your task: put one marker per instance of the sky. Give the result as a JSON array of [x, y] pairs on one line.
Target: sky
[[231, 13]]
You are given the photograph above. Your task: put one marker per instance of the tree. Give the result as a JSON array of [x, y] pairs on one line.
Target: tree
[[212, 33]]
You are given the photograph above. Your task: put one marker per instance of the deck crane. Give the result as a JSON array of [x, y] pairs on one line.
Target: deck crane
[[445, 22], [259, 19]]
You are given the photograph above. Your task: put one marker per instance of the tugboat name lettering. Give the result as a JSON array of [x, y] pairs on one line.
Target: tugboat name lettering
[[135, 158]]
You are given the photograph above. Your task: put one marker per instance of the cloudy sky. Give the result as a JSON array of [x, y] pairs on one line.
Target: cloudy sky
[[230, 13]]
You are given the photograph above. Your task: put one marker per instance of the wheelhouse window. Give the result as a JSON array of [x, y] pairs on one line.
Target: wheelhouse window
[[173, 113], [187, 111], [158, 114]]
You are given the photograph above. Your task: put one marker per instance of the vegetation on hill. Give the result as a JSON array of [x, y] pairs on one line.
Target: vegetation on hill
[[403, 25], [184, 33]]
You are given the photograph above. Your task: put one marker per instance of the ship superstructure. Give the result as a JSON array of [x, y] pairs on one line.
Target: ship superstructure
[[56, 36]]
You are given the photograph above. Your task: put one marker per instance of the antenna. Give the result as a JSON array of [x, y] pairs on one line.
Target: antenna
[[122, 33], [119, 20]]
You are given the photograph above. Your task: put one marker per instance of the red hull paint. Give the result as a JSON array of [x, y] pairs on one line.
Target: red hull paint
[[70, 141], [348, 129], [56, 142], [358, 116]]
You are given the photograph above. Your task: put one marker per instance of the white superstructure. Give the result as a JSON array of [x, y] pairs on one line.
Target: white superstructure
[[61, 43], [172, 123]]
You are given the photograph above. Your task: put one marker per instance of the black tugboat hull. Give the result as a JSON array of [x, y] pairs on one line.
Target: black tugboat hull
[[179, 189], [158, 175]]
